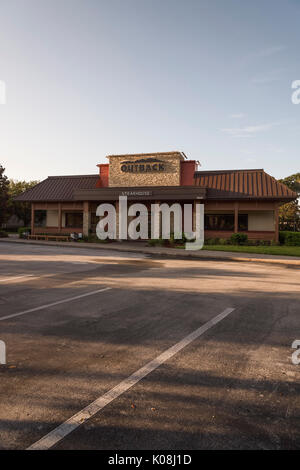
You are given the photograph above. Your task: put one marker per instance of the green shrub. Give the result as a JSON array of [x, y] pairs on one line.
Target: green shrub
[[264, 242], [282, 236], [22, 230], [293, 239], [3, 234], [158, 241], [239, 238], [289, 238]]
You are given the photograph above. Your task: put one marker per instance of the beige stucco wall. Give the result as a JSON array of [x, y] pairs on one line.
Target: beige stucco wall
[[169, 177], [263, 220], [52, 218]]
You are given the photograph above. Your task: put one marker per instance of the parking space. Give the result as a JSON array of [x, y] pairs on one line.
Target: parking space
[[79, 322]]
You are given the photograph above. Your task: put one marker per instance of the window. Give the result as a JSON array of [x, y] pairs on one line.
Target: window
[[219, 222], [225, 222], [74, 219], [40, 218], [243, 222]]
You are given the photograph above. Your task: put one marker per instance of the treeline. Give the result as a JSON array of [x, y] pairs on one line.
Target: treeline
[[9, 189], [289, 214]]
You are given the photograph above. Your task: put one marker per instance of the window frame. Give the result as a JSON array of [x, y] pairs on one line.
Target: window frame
[[227, 226], [74, 224]]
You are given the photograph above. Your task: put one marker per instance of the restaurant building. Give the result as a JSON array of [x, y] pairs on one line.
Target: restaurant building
[[234, 200]]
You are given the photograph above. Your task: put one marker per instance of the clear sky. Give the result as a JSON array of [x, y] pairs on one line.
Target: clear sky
[[88, 78]]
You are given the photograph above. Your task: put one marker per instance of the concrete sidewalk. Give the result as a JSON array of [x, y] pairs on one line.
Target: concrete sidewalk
[[164, 252]]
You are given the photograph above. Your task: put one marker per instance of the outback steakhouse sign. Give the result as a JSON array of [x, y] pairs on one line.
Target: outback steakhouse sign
[[143, 165]]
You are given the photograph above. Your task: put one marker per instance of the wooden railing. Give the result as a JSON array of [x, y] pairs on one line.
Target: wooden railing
[[49, 237]]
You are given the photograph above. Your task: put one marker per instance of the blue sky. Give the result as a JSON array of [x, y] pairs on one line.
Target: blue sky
[[88, 78]]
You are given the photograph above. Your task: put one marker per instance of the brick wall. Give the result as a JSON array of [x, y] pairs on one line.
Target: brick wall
[[188, 168]]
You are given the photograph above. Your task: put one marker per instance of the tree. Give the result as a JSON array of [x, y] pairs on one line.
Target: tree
[[293, 182], [4, 185], [289, 214], [18, 208]]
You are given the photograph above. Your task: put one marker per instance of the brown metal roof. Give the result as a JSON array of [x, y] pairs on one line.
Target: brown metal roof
[[242, 184], [58, 188], [221, 184]]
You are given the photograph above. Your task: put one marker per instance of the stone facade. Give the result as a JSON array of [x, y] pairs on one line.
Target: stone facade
[[86, 222], [145, 170]]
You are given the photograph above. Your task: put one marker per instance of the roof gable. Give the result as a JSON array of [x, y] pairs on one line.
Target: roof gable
[[58, 188], [243, 183]]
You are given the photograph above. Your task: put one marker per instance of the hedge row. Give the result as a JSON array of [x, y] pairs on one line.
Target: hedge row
[[289, 238], [239, 239], [285, 238]]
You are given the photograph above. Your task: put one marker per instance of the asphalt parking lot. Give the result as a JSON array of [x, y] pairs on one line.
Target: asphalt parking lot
[[78, 323]]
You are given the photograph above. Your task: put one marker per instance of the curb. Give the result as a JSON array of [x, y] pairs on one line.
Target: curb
[[178, 254]]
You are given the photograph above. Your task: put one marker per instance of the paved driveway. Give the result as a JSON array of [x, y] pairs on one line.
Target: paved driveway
[[79, 323]]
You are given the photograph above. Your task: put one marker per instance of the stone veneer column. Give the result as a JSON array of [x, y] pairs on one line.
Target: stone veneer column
[[86, 224], [117, 221]]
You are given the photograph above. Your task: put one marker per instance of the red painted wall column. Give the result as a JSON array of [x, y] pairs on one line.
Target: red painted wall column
[[103, 175], [187, 172]]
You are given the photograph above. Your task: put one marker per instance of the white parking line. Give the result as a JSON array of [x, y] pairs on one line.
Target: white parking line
[[18, 314], [82, 416], [16, 277]]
